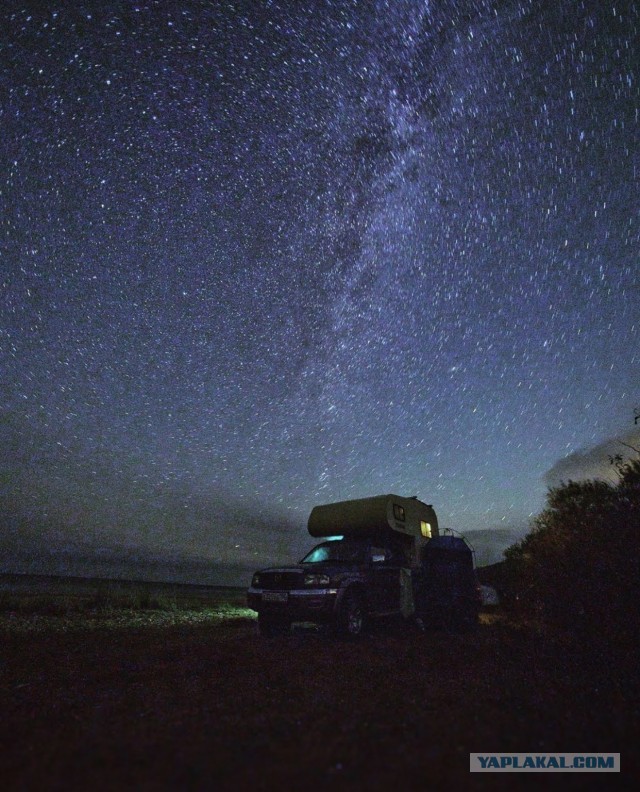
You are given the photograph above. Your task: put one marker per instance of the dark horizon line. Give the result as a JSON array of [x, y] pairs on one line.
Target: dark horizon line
[[9, 577]]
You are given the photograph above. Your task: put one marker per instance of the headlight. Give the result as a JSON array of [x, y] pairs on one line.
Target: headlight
[[255, 580], [316, 580]]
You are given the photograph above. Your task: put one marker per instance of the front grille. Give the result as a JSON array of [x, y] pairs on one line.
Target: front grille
[[280, 581]]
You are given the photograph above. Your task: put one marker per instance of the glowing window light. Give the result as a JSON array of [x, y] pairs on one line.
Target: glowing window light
[[425, 529]]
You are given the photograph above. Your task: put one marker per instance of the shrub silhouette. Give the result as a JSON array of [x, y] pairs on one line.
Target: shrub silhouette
[[580, 564]]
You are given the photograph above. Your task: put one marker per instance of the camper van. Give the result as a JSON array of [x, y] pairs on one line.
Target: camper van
[[362, 569]]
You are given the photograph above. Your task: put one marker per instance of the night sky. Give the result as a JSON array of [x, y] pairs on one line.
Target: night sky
[[258, 256]]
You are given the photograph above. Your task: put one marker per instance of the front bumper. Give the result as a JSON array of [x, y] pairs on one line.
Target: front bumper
[[314, 604]]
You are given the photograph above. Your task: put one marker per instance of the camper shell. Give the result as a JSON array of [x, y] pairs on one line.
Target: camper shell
[[408, 522]]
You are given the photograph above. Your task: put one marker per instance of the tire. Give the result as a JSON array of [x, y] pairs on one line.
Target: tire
[[351, 616], [270, 626]]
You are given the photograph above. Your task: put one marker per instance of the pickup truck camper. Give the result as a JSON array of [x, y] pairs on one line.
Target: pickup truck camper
[[364, 568]]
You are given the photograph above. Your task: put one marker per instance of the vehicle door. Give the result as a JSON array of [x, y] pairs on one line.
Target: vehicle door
[[385, 579]]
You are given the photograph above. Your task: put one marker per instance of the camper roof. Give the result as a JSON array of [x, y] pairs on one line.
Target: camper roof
[[375, 515]]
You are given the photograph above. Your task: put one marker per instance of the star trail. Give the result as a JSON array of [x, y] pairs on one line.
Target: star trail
[[262, 255]]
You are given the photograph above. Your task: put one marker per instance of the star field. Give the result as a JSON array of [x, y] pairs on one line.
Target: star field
[[262, 255]]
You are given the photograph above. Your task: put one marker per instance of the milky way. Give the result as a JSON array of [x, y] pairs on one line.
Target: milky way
[[262, 255]]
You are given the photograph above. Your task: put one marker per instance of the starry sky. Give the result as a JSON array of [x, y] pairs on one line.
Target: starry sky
[[262, 255]]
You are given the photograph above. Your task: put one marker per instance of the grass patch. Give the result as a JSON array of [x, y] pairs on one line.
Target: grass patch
[[121, 619], [67, 605]]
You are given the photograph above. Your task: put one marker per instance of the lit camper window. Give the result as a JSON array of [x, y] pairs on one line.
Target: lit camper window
[[398, 512], [425, 529]]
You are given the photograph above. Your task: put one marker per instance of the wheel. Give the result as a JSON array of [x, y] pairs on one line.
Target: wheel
[[350, 619], [270, 626]]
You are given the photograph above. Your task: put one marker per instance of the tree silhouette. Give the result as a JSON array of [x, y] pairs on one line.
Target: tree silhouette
[[580, 564]]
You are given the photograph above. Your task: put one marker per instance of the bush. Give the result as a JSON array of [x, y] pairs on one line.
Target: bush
[[580, 564]]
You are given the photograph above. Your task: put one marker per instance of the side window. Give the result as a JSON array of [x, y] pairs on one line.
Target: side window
[[386, 555], [425, 529], [398, 512]]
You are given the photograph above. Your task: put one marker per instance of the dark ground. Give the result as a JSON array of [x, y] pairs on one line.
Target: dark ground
[[211, 705]]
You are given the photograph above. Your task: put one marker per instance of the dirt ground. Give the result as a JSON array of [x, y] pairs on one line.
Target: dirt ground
[[214, 706]]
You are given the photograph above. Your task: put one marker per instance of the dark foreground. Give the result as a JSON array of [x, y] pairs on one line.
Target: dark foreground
[[214, 706]]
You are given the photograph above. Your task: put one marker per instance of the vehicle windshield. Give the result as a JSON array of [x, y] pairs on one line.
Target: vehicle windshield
[[336, 551]]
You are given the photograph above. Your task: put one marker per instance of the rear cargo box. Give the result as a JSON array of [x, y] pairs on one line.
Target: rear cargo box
[[447, 589]]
